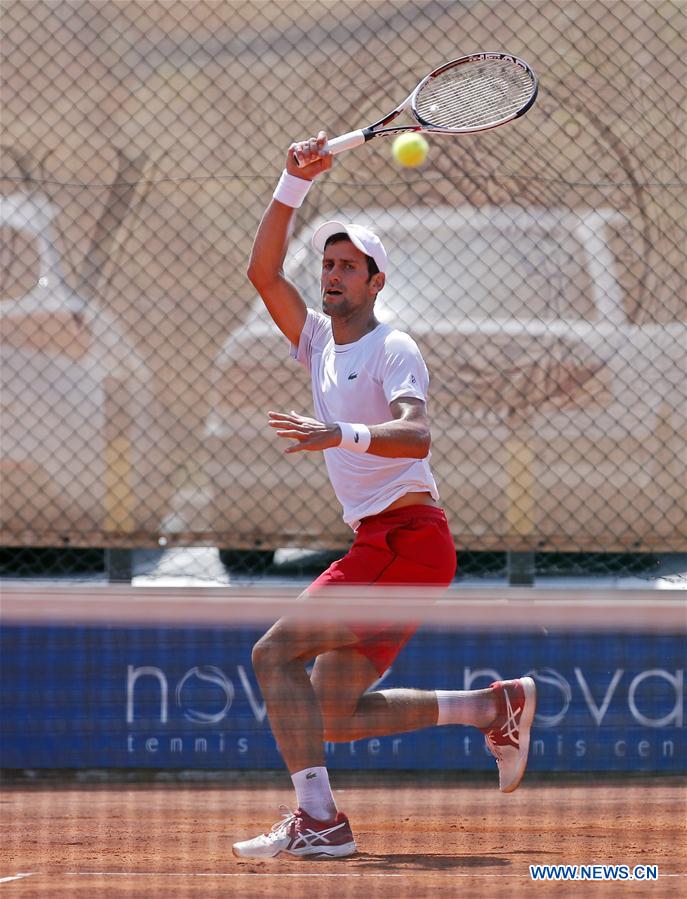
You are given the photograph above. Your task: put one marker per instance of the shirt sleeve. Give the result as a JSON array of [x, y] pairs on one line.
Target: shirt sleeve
[[405, 372], [316, 332]]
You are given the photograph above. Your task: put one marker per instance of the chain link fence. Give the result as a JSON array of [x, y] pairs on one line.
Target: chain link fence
[[540, 266]]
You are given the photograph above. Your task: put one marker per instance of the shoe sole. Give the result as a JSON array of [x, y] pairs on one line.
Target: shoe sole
[[342, 851], [249, 855], [528, 710]]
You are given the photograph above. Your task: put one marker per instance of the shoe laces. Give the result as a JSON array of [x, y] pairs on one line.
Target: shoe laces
[[280, 828]]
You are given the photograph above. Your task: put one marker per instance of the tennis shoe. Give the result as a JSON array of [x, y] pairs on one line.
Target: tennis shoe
[[301, 836], [508, 738]]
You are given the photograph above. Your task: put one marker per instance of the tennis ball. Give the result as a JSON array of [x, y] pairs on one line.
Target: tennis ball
[[410, 150]]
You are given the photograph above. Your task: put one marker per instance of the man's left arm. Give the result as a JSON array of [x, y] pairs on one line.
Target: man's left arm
[[405, 436]]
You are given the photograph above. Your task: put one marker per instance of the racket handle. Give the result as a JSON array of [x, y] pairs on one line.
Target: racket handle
[[344, 142]]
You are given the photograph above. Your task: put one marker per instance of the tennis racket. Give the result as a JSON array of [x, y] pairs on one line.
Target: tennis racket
[[469, 94]]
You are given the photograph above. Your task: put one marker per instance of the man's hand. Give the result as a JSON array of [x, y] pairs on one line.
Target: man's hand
[[308, 433], [311, 156]]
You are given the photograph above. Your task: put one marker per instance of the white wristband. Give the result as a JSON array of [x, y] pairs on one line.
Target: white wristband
[[291, 190], [354, 437]]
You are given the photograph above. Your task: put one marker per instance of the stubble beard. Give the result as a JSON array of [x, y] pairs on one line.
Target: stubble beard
[[340, 309]]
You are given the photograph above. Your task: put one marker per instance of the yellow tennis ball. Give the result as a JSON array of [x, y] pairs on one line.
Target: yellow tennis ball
[[410, 149]]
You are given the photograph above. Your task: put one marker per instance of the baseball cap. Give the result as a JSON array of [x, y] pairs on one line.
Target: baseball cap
[[362, 238]]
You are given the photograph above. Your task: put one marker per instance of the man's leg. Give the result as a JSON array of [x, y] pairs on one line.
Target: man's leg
[[341, 678], [316, 829], [293, 708], [504, 712]]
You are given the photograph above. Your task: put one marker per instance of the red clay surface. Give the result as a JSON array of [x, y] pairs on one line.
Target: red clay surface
[[455, 838]]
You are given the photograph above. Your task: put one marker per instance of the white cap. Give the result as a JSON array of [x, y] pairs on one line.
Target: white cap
[[362, 238]]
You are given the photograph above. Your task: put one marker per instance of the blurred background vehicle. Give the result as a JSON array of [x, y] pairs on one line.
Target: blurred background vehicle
[[539, 429], [76, 404]]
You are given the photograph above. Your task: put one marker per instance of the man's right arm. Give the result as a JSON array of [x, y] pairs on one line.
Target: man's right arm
[[266, 267]]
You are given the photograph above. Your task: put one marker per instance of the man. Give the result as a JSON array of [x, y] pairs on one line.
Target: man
[[361, 369]]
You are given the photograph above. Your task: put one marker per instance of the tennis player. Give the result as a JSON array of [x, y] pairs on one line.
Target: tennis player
[[369, 385]]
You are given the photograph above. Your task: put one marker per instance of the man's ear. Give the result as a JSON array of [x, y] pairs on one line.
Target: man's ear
[[378, 281]]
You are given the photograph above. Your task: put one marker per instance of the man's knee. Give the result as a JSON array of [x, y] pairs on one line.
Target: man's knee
[[270, 653], [263, 655]]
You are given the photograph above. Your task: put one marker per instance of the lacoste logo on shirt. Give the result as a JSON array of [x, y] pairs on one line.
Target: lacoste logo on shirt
[[311, 775], [353, 375]]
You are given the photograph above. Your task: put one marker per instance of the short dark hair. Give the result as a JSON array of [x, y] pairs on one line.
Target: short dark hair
[[372, 267]]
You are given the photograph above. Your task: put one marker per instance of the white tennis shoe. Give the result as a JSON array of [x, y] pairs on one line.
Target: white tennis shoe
[[508, 738], [301, 836]]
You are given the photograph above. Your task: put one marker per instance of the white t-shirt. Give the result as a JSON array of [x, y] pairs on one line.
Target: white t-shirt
[[356, 382]]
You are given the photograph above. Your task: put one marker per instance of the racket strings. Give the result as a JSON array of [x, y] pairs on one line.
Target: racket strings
[[474, 95]]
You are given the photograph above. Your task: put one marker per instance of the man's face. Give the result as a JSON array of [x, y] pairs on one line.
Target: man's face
[[346, 283]]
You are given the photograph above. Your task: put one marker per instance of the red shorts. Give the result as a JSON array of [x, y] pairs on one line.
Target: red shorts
[[410, 546]]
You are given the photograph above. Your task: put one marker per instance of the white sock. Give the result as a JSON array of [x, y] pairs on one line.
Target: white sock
[[474, 707], [313, 793]]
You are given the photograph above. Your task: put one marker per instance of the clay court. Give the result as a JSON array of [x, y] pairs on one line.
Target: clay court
[[456, 836]]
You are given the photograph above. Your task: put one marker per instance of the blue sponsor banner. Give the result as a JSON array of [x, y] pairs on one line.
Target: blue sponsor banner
[[188, 698]]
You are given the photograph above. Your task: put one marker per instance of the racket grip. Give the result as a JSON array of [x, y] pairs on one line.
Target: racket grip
[[344, 142]]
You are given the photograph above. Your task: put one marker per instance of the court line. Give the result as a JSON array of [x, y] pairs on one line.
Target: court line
[[279, 874], [422, 873], [222, 874], [178, 874]]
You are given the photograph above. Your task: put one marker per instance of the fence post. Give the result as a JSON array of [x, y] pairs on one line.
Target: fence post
[[520, 569], [119, 565]]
